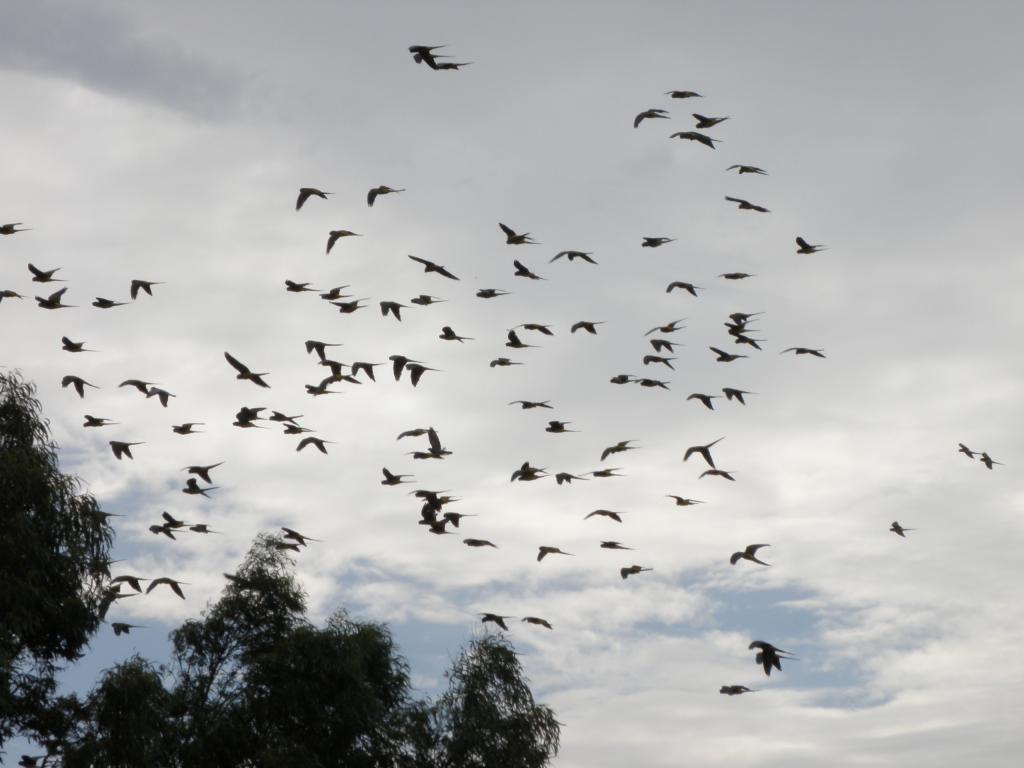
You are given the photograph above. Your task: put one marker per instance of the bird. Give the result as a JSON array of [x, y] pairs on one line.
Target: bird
[[514, 341], [632, 570], [335, 293], [10, 229], [545, 551], [750, 553], [416, 372], [449, 335], [718, 473], [899, 529], [682, 501], [768, 655], [707, 122], [654, 242], [538, 327], [44, 275], [731, 393], [372, 195], [804, 351], [9, 294], [613, 545], [53, 301], [202, 528], [585, 325], [704, 451], [320, 347], [668, 328], [348, 307], [705, 399], [394, 308], [97, 421], [121, 448], [747, 169], [174, 584], [244, 374], [336, 234], [102, 303], [736, 275], [650, 383], [527, 472], [567, 477], [622, 378], [424, 54], [455, 517], [572, 255], [735, 690], [161, 394], [619, 447], [399, 364], [192, 488], [966, 451], [806, 247], [683, 94], [425, 300], [298, 537], [610, 472], [724, 357], [478, 543], [142, 285], [120, 628], [187, 428], [689, 287], [527, 405], [558, 427], [203, 472], [605, 513], [538, 621], [365, 367], [513, 238], [504, 361], [649, 113], [293, 287], [393, 479], [523, 271], [666, 361], [491, 293], [429, 266], [307, 192], [988, 461], [135, 582], [496, 619], [746, 205], [78, 383], [695, 136], [321, 445]]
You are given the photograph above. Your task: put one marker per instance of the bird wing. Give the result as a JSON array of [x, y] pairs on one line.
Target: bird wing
[[371, 196], [237, 365], [507, 230]]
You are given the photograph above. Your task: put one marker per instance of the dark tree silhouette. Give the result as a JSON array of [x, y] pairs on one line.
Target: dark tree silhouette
[[54, 560]]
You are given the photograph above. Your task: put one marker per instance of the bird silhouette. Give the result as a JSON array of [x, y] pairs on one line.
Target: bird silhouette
[[145, 286], [10, 229], [523, 271], [704, 139], [393, 479], [373, 194], [187, 428], [537, 621], [203, 472], [121, 448], [988, 461], [78, 383], [724, 357], [491, 293], [727, 474], [619, 447], [394, 308], [514, 341], [496, 619], [429, 266], [899, 529], [682, 501], [632, 570], [649, 114], [966, 451], [655, 242], [479, 543], [667, 328], [804, 351], [298, 537], [590, 326], [736, 275], [336, 234], [73, 346], [527, 405], [44, 275], [425, 300], [705, 399], [53, 301], [567, 477], [746, 205], [613, 545], [321, 445], [97, 421], [747, 169], [609, 472], [244, 374], [735, 690], [545, 551], [737, 394], [768, 656], [688, 287], [683, 94], [605, 513], [193, 489], [707, 122], [174, 584], [102, 303], [449, 335], [702, 450], [121, 628], [571, 256], [750, 553], [514, 238], [293, 287], [307, 192], [806, 247]]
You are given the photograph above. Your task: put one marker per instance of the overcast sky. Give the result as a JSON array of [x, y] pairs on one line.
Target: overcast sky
[[168, 142]]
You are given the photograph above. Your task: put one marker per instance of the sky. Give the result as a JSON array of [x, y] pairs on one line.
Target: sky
[[167, 142]]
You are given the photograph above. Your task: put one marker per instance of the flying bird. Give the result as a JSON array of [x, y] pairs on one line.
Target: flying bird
[[78, 383], [97, 421], [372, 195], [142, 285], [567, 477], [695, 136], [736, 275], [121, 448], [610, 472], [682, 501], [619, 447], [545, 551], [120, 628], [53, 301], [689, 287], [735, 690], [750, 553], [73, 346], [479, 543], [804, 351], [392, 479], [102, 303], [988, 461], [514, 238], [806, 247], [336, 234], [588, 326], [572, 255], [306, 192], [649, 113], [491, 293], [899, 529], [718, 473], [321, 445], [187, 428], [174, 584], [966, 451], [724, 357], [705, 399], [10, 229], [527, 405], [244, 374], [425, 300], [746, 205], [203, 472], [298, 537], [449, 335], [193, 488], [605, 513], [747, 169], [632, 570], [702, 450], [768, 656], [654, 242], [44, 275], [707, 122], [683, 94], [558, 427], [538, 621], [496, 619], [523, 271], [613, 545], [737, 394], [429, 266]]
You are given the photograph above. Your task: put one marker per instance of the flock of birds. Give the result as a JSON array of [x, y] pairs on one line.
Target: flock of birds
[[433, 514]]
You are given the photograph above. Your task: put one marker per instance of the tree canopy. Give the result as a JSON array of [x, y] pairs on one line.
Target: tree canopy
[[53, 565]]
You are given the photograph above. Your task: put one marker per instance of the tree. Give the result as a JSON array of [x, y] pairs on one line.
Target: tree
[[254, 683], [53, 564], [488, 717]]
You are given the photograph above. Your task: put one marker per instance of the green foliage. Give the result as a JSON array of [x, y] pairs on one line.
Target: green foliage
[[488, 716], [253, 683], [53, 563]]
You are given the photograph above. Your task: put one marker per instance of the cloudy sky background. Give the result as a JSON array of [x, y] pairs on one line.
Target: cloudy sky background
[[168, 142]]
